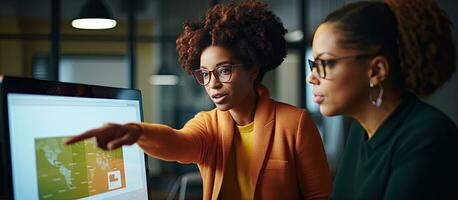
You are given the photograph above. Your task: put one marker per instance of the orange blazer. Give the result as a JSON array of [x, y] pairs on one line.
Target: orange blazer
[[288, 160]]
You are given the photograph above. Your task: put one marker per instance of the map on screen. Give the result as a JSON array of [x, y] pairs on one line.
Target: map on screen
[[76, 171]]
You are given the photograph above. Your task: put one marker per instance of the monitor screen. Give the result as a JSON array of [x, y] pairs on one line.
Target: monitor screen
[[43, 167]]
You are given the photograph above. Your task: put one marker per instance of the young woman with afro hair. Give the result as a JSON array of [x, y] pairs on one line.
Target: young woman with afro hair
[[372, 59], [250, 146]]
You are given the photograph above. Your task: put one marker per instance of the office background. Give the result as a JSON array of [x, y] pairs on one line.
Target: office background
[[37, 40]]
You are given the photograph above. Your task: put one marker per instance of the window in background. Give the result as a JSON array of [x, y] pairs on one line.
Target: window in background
[[100, 55], [111, 71], [283, 82]]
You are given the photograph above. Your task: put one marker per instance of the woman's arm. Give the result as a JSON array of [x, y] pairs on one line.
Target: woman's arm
[[312, 166], [185, 145]]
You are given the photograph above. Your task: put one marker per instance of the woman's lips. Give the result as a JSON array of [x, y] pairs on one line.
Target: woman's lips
[[318, 98], [218, 98]]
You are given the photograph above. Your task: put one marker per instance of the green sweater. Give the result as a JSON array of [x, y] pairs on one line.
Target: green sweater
[[413, 155]]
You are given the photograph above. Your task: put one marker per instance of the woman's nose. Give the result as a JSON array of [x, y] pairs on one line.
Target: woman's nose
[[214, 81], [312, 79]]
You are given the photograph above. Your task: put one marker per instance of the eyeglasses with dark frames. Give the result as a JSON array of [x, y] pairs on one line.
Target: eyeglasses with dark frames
[[323, 65], [222, 72]]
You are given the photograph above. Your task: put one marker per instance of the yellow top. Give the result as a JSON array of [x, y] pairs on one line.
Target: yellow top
[[243, 152], [236, 183]]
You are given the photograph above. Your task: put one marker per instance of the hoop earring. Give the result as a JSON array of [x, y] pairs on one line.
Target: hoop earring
[[377, 102]]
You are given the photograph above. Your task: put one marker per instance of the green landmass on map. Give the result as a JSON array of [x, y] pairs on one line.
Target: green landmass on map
[[75, 171]]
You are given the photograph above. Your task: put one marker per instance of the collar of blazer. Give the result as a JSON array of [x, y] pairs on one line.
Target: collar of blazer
[[263, 128]]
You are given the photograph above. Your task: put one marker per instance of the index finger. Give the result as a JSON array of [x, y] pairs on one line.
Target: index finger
[[83, 136]]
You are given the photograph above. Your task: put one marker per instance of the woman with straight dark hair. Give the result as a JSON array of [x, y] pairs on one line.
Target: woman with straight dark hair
[[371, 60]]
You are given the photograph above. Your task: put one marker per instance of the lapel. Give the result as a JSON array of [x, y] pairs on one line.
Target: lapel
[[263, 129], [226, 128]]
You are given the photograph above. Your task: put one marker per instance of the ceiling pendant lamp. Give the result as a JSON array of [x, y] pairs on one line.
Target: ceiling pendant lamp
[[164, 77], [94, 15]]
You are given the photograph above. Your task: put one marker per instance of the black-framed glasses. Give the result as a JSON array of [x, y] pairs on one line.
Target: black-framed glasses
[[322, 66], [222, 72]]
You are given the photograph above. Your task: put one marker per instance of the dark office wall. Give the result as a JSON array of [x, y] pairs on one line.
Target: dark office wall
[[446, 98]]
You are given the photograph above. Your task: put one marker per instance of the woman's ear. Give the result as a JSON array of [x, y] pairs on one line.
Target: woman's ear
[[379, 70]]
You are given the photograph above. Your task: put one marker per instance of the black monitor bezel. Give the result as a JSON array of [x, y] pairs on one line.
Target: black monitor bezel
[[23, 85]]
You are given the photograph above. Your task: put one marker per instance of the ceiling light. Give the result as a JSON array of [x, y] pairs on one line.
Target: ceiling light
[[94, 15]]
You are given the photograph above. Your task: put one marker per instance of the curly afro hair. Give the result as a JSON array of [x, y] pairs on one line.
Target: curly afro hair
[[416, 36], [250, 31]]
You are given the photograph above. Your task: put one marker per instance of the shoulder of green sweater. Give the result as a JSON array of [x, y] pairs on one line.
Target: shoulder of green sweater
[[424, 119], [425, 132]]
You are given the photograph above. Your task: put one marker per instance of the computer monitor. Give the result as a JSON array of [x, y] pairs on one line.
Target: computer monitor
[[37, 117]]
